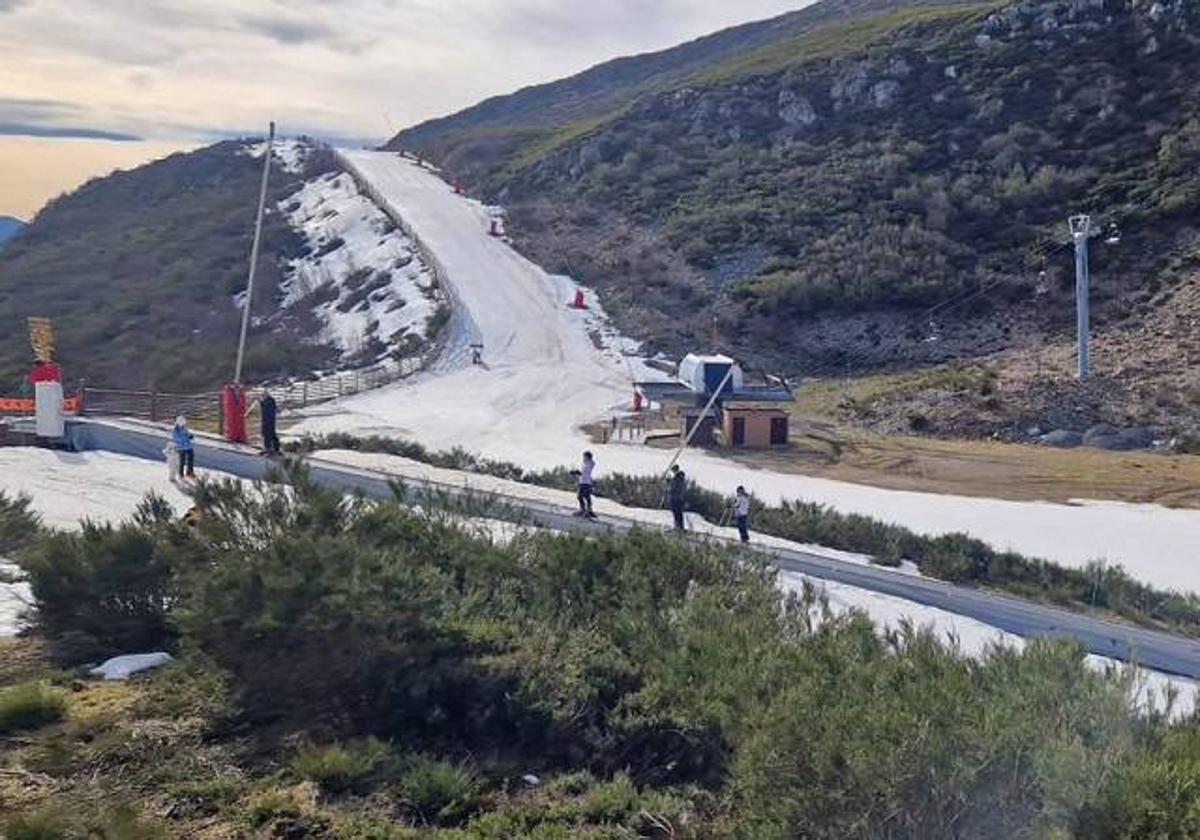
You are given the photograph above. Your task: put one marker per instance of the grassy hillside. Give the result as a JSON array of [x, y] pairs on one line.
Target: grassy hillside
[[805, 202], [351, 670], [138, 271], [498, 127]]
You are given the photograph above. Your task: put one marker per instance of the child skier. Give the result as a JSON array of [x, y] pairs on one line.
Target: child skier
[[182, 440]]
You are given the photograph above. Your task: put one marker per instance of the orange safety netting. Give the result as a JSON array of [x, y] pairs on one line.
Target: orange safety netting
[[71, 405]]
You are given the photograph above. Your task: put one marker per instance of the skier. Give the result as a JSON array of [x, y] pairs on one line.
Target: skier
[[586, 483], [182, 439], [741, 513], [268, 411], [676, 489]]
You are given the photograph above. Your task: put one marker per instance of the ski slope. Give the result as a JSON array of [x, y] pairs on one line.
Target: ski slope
[[542, 370], [546, 377]]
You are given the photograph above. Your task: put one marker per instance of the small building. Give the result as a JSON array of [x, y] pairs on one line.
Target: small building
[[740, 415], [754, 427], [704, 374]]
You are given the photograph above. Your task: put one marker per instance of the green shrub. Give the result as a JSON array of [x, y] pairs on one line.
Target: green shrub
[[438, 791], [676, 671], [19, 525], [1158, 795], [340, 767], [35, 825], [954, 557], [359, 827], [611, 801], [30, 706], [101, 591], [206, 796], [273, 804]]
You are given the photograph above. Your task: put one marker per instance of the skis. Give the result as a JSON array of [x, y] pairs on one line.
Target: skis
[[579, 514]]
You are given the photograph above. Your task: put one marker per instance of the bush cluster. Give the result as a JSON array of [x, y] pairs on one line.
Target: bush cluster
[[958, 558], [661, 688]]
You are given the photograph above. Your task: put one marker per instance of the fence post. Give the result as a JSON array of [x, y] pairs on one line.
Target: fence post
[[304, 395], [153, 405], [220, 416]]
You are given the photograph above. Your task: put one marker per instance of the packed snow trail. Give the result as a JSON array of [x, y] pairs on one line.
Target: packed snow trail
[[541, 370], [547, 378]]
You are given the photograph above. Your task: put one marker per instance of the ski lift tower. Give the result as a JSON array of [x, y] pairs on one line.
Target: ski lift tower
[[1081, 229]]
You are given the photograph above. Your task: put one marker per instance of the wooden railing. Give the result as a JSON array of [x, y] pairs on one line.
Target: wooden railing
[[201, 410], [342, 384], [204, 410]]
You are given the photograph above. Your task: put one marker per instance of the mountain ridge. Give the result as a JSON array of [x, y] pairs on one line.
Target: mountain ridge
[[591, 92], [885, 192], [933, 87]]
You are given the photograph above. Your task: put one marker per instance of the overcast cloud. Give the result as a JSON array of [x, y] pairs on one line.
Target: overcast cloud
[[351, 69]]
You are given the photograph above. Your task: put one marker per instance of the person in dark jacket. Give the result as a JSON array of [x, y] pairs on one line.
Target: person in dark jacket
[[676, 491], [268, 413]]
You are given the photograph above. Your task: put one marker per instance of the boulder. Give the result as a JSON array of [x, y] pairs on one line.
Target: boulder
[[1062, 439], [1104, 436]]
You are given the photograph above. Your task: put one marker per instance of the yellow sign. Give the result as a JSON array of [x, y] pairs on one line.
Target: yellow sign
[[41, 338]]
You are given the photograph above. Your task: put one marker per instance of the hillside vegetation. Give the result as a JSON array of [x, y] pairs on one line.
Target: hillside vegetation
[[355, 670], [139, 271], [806, 201], [504, 124]]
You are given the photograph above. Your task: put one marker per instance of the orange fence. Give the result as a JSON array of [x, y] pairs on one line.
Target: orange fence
[[71, 405]]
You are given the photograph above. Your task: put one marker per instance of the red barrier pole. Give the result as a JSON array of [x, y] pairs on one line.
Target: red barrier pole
[[233, 408]]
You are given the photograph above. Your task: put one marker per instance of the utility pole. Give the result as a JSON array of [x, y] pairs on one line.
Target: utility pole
[[1081, 230], [249, 301]]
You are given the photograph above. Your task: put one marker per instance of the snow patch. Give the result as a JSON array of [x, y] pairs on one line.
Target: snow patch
[[14, 598], [124, 667], [363, 276], [291, 154]]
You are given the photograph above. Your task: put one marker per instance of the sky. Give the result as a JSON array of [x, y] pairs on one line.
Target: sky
[[89, 85]]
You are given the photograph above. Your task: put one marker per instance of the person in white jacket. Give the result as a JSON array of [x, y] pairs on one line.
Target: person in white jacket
[[741, 513], [587, 482]]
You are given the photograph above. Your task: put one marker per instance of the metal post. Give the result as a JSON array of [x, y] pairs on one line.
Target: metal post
[[691, 434], [249, 301], [1081, 229]]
